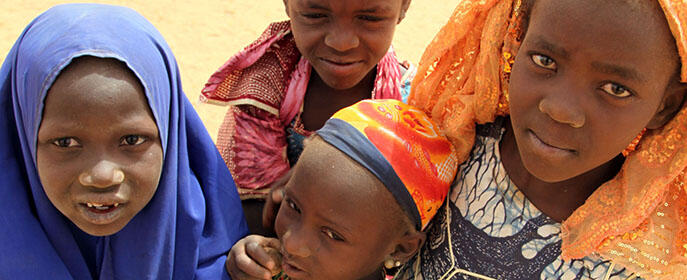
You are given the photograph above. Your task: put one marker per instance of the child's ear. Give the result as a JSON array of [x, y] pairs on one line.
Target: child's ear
[[404, 9], [409, 244], [672, 102]]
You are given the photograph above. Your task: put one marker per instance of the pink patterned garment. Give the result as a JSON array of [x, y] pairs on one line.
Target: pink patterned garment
[[265, 85]]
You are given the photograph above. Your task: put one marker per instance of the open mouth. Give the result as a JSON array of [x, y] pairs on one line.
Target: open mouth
[[100, 207]]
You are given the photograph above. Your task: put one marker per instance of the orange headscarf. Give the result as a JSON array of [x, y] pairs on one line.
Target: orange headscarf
[[639, 218], [402, 147]]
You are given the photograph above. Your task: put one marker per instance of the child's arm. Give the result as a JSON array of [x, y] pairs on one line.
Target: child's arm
[[254, 257]]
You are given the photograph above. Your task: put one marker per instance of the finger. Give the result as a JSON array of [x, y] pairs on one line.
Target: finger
[[258, 253], [271, 242], [245, 264]]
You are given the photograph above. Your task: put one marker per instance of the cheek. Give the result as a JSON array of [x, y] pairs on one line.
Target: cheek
[[144, 172], [55, 175]]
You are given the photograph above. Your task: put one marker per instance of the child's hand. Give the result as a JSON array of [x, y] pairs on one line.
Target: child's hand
[[254, 257], [269, 212]]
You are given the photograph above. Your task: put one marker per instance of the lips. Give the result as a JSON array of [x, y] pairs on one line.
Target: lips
[[549, 147], [101, 209], [291, 268], [341, 67]]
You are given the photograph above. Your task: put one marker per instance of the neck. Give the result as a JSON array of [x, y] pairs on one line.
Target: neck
[[322, 101], [557, 200]]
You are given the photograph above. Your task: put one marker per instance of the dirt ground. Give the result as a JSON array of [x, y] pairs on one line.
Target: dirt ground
[[204, 34]]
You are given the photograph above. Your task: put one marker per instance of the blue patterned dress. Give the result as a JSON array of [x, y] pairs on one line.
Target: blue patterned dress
[[488, 229]]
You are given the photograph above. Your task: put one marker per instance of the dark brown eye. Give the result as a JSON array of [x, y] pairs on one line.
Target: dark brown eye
[[132, 140], [616, 90], [66, 142], [544, 61]]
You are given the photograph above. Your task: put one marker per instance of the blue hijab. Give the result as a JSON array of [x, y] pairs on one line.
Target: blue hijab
[[195, 215]]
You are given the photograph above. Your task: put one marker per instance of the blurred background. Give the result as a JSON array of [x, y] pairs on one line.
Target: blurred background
[[204, 34]]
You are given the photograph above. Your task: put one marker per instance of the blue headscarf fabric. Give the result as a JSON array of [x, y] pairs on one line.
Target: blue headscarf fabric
[[195, 215]]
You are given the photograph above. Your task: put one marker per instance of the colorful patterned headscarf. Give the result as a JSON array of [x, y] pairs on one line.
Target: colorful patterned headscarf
[[402, 147], [637, 219]]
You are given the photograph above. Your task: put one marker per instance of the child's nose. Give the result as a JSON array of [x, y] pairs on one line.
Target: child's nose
[[295, 243], [102, 175], [562, 111], [342, 38]]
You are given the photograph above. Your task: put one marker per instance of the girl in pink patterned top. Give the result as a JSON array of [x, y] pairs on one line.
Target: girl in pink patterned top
[[329, 55]]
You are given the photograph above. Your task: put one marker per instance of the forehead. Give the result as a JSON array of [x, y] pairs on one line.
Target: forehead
[[96, 86], [348, 5], [623, 30], [336, 187], [629, 33]]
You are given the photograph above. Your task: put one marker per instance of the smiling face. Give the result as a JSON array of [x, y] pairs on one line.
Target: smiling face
[[98, 154], [344, 39], [588, 77], [337, 220]]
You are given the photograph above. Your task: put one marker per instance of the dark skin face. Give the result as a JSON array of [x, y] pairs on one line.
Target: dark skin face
[[589, 76], [98, 155], [343, 40], [337, 220]]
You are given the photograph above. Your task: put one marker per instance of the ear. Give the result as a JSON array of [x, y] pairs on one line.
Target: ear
[[409, 244], [672, 102], [404, 9]]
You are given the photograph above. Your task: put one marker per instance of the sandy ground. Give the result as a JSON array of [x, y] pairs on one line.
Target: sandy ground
[[204, 34]]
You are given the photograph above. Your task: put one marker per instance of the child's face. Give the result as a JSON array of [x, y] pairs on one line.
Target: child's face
[[98, 155], [589, 76], [344, 39], [337, 221]]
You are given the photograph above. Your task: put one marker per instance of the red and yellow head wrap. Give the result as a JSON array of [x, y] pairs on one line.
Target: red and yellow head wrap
[[401, 146], [639, 218]]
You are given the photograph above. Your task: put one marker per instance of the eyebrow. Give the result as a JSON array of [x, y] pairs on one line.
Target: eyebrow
[[313, 5], [375, 9], [543, 44], [620, 71]]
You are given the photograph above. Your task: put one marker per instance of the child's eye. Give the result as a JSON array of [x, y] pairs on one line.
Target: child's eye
[[314, 15], [293, 205], [331, 234], [132, 140], [544, 61], [616, 90], [370, 18], [66, 142]]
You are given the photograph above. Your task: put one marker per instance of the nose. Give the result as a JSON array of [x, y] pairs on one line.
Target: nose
[[102, 175], [342, 38], [295, 243], [562, 110]]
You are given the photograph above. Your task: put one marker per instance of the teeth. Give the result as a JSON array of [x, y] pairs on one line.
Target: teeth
[[100, 206]]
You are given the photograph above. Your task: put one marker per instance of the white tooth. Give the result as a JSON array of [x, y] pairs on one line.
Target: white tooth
[[102, 207], [97, 204], [89, 204], [116, 204]]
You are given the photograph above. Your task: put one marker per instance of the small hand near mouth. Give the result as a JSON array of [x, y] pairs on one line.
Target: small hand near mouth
[[254, 257]]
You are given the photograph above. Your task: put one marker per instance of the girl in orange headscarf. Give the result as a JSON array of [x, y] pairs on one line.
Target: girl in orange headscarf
[[568, 117]]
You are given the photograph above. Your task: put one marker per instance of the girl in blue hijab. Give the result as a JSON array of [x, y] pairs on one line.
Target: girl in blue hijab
[[107, 171]]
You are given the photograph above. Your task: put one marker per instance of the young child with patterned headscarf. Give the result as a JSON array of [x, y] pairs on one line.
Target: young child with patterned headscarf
[[366, 186], [285, 85], [569, 122]]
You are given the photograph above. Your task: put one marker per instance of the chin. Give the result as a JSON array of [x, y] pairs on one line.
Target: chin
[[102, 230], [547, 172]]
